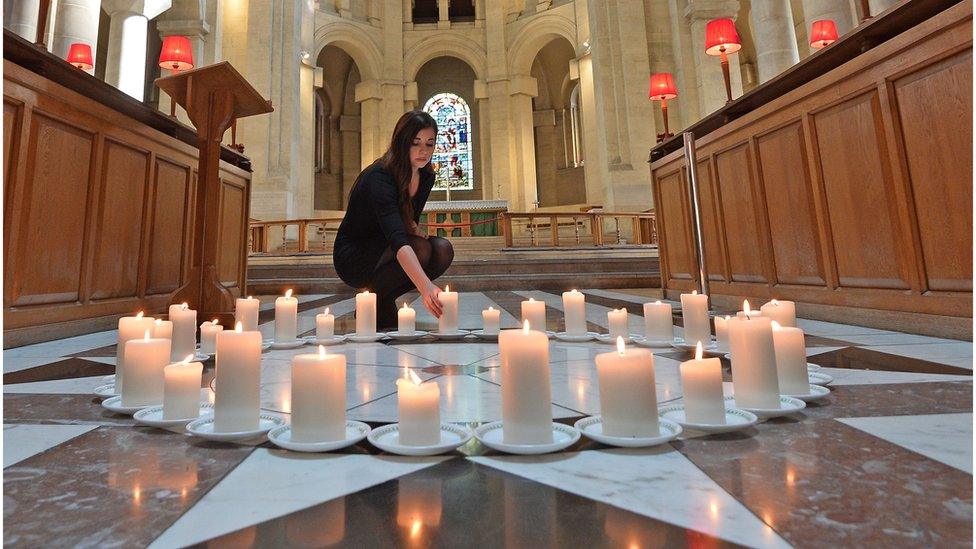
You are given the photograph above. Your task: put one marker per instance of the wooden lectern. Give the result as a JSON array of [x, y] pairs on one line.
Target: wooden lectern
[[213, 97]]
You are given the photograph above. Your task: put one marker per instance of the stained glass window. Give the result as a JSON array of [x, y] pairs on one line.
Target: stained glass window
[[452, 152]]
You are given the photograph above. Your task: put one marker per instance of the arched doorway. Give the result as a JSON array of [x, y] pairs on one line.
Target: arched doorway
[[337, 129]]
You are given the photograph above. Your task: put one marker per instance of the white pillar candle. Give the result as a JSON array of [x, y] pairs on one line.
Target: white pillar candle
[[526, 388], [535, 312], [628, 401], [658, 324], [237, 403], [791, 360], [783, 312], [184, 321], [130, 327], [722, 331], [181, 392], [286, 318], [407, 320], [574, 308], [419, 413], [747, 311], [701, 383], [144, 360], [694, 315], [324, 325], [162, 329], [318, 397], [246, 312], [492, 319], [754, 378], [366, 313], [448, 322], [208, 336], [617, 320]]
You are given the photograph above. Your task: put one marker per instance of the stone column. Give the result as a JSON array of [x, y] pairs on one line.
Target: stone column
[[20, 17], [775, 37], [711, 83], [839, 11], [126, 64], [411, 98], [878, 6], [522, 89], [489, 191], [369, 95], [75, 21], [443, 19]]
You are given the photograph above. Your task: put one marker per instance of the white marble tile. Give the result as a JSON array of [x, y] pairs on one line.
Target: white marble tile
[[470, 305], [895, 338], [23, 441], [273, 483], [64, 347], [658, 482], [630, 298], [947, 438], [73, 386], [374, 354], [18, 363], [451, 353], [845, 376], [597, 314], [833, 329], [957, 353], [813, 351]]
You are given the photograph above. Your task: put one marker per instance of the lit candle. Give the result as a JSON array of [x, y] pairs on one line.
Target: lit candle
[[246, 312], [694, 315], [628, 401], [286, 318], [617, 319], [448, 322], [526, 388], [181, 392], [492, 319], [365, 314], [754, 378], [184, 321], [162, 329], [130, 327], [144, 360], [791, 360], [318, 397], [701, 382], [722, 331], [237, 404], [574, 308], [407, 320], [324, 325], [783, 312], [208, 336], [418, 406], [747, 311], [658, 324], [535, 312]]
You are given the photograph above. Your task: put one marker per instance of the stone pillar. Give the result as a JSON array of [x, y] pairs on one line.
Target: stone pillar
[[75, 21], [593, 144], [443, 19], [524, 193], [839, 11], [369, 95], [711, 83], [20, 17], [126, 64], [411, 98], [774, 36], [878, 6], [484, 146]]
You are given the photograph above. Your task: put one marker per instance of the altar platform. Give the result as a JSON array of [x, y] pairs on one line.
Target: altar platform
[[885, 460]]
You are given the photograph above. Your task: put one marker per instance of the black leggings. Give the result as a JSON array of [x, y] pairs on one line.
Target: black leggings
[[389, 281]]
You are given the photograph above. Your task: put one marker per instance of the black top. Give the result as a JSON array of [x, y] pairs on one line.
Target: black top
[[373, 224]]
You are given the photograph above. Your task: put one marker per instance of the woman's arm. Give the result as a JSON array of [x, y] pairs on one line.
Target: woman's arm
[[428, 290]]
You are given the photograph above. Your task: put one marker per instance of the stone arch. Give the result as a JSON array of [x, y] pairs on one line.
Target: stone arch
[[444, 45], [354, 41], [534, 36]]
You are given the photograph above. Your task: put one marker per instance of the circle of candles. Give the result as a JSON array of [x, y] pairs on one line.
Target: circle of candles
[[143, 370], [574, 308], [418, 410], [535, 312], [406, 320], [448, 322], [325, 325], [237, 402], [701, 383], [783, 312], [184, 321], [526, 387], [694, 315], [658, 324], [286, 317], [130, 327], [491, 320], [181, 389], [754, 378], [791, 360], [365, 313], [628, 401], [318, 397], [246, 312]]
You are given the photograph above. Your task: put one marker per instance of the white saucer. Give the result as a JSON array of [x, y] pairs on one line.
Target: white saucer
[[653, 343], [265, 345], [817, 392], [417, 334], [105, 391], [588, 336], [819, 378], [356, 338], [115, 404], [480, 334], [204, 428], [387, 438], [787, 405], [735, 419], [592, 427], [153, 416], [334, 340], [605, 338], [563, 436], [109, 378], [710, 350], [355, 431], [447, 336], [293, 344], [811, 367]]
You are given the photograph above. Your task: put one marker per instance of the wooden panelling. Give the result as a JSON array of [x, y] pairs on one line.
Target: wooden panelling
[[715, 262], [678, 252], [232, 232], [789, 206], [736, 186], [166, 242], [940, 166]]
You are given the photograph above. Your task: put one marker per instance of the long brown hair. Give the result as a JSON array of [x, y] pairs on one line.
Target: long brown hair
[[396, 160]]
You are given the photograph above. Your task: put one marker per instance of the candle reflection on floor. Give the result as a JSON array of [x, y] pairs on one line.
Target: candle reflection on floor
[[318, 526]]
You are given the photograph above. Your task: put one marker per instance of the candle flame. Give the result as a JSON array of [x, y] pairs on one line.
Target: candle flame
[[525, 326], [745, 307], [621, 348], [326, 310], [774, 303], [490, 308], [727, 317], [694, 292], [657, 302], [532, 299], [698, 350], [147, 335], [139, 314], [447, 288], [288, 292], [414, 377], [239, 327], [365, 292], [184, 305], [321, 352], [215, 321], [187, 359], [405, 305], [159, 322], [249, 297], [776, 326]]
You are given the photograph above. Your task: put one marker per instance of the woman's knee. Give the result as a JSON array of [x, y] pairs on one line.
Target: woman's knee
[[441, 250], [421, 247]]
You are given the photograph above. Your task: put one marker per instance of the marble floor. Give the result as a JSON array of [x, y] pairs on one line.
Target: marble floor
[[885, 460]]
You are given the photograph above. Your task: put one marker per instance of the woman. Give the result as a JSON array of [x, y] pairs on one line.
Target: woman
[[379, 246]]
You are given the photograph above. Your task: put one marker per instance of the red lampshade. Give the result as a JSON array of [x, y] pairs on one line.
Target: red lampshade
[[80, 56], [662, 87], [177, 54], [823, 33], [719, 34]]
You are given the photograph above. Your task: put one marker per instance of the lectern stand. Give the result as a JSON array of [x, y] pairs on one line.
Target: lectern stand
[[213, 97]]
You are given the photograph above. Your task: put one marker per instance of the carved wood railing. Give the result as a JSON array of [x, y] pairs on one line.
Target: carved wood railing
[[579, 229]]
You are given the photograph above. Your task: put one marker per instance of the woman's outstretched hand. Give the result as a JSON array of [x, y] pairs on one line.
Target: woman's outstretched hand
[[430, 293]]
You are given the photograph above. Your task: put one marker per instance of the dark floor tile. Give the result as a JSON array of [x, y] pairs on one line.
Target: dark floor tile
[[60, 369]]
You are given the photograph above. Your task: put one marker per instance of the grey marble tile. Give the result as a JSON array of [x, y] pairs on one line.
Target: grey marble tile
[[956, 354], [947, 438], [23, 441]]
